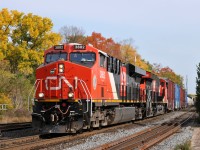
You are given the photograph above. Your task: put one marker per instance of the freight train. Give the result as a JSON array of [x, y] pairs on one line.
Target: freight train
[[81, 87]]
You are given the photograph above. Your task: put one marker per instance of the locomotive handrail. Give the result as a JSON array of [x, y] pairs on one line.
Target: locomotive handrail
[[82, 81], [31, 92]]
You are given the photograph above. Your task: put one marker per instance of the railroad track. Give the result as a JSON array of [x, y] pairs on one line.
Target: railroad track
[[148, 137], [35, 142], [14, 126]]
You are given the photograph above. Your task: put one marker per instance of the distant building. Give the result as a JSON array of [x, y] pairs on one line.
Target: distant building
[[190, 100]]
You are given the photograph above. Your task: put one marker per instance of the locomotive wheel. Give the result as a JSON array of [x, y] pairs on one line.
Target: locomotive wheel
[[90, 129], [99, 128], [80, 131]]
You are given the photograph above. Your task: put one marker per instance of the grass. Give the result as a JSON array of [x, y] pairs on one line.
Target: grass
[[184, 146], [15, 116], [15, 119]]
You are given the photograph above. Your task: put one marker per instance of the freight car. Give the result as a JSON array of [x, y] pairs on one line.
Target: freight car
[[80, 87], [170, 94]]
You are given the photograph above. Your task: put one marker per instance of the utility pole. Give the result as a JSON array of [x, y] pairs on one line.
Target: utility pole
[[186, 91]]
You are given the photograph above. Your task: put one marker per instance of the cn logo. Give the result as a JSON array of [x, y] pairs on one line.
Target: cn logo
[[48, 87]]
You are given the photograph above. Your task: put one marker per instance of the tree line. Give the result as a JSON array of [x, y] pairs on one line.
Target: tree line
[[23, 39]]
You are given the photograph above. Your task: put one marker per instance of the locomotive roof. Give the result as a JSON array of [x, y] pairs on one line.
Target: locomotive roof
[[134, 70]]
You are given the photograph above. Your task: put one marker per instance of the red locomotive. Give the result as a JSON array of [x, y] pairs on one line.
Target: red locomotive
[[80, 87]]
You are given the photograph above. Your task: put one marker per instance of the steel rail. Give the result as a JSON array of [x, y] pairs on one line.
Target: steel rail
[[14, 126], [147, 138]]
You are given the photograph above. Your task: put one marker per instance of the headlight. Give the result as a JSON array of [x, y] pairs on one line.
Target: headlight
[[41, 95], [70, 94], [61, 68]]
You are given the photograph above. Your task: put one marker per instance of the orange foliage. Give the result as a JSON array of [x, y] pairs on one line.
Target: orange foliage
[[167, 72], [105, 44]]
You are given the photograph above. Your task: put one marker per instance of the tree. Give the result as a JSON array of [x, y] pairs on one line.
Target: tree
[[14, 88], [168, 73], [73, 34], [197, 104], [128, 52], [156, 68], [24, 38], [130, 55], [107, 45]]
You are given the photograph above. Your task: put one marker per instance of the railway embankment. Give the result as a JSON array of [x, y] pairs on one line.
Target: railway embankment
[[195, 144]]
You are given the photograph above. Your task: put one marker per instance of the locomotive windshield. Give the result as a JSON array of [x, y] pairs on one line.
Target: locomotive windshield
[[85, 59], [51, 57]]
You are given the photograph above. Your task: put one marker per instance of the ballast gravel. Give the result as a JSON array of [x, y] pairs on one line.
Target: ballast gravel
[[19, 133], [179, 138], [103, 138], [90, 143], [99, 139]]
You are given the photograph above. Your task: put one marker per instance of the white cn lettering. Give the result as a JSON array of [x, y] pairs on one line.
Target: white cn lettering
[[102, 75]]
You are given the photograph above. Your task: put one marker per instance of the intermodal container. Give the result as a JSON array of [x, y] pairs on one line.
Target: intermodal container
[[177, 97], [186, 99]]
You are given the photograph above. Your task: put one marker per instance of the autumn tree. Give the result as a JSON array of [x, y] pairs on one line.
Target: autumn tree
[[73, 34], [14, 88], [6, 78], [107, 45], [130, 55], [197, 104], [168, 73], [156, 68], [97, 40], [142, 63], [128, 52], [23, 39]]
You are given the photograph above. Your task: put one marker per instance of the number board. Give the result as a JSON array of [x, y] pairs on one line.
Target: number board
[[79, 47], [59, 47]]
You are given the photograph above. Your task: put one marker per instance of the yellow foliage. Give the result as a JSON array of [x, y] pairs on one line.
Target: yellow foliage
[[128, 53], [1, 55], [23, 39], [25, 68], [6, 100]]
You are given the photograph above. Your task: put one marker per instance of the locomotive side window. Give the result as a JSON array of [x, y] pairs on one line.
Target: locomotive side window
[[85, 59], [114, 64], [102, 62], [109, 65], [118, 66], [51, 57]]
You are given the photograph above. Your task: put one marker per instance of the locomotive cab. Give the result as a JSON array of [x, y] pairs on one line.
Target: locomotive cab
[[62, 89]]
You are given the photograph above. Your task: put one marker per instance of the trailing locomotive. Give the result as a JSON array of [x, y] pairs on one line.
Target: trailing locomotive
[[80, 87]]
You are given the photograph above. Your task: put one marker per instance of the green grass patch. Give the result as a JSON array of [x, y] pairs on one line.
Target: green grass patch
[[184, 146]]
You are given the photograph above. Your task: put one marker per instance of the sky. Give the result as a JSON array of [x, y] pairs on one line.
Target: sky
[[166, 32]]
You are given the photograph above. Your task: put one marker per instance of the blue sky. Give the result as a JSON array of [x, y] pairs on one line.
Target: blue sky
[[164, 31]]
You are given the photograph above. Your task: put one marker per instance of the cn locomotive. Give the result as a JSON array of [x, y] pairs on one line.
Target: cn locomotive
[[81, 87]]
